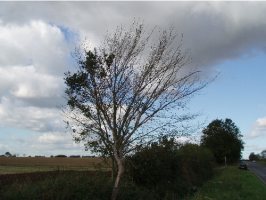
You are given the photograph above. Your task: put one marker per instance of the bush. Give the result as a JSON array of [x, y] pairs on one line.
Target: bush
[[196, 164], [169, 170], [253, 156]]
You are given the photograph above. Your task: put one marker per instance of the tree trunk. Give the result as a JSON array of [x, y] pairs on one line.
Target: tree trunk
[[121, 169], [225, 161], [114, 169]]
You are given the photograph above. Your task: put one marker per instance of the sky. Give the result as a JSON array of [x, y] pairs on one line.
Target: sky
[[37, 40]]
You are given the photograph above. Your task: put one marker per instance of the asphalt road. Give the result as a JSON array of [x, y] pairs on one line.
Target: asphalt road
[[258, 169]]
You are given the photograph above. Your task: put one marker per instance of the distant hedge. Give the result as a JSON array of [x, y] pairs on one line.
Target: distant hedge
[[60, 156]]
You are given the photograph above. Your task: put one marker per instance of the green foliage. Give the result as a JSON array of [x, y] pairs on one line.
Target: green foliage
[[196, 163], [69, 186], [8, 154], [155, 166], [223, 138], [169, 170], [253, 156], [82, 96]]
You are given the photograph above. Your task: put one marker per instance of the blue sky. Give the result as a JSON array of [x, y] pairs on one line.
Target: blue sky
[[238, 94], [37, 38]]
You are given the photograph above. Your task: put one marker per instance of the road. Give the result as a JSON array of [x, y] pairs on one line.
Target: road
[[258, 169]]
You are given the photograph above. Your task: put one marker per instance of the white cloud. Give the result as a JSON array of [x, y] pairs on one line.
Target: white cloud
[[259, 128], [34, 43], [3, 148], [48, 143], [26, 82], [261, 122], [254, 148], [12, 114], [56, 143], [183, 139], [213, 31], [33, 58], [54, 138]]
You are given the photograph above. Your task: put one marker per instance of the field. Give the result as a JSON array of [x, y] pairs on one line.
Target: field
[[232, 183], [30, 164]]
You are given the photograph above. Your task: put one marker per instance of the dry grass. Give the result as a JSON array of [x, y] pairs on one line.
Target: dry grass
[[30, 164]]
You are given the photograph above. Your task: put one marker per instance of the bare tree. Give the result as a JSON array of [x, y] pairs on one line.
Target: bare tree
[[128, 91]]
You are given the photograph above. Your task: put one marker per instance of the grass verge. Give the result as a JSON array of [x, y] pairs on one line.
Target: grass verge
[[263, 162], [232, 183]]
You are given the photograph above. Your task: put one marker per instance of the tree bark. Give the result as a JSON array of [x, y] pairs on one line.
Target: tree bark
[[113, 169], [120, 173]]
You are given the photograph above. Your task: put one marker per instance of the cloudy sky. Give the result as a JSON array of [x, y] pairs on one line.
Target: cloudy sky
[[37, 38]]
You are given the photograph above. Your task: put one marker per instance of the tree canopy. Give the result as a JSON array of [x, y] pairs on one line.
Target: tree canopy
[[127, 90], [253, 156], [223, 138], [8, 154]]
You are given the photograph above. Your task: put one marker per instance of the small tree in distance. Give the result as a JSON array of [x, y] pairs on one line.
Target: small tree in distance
[[253, 156], [124, 92], [223, 138], [8, 154]]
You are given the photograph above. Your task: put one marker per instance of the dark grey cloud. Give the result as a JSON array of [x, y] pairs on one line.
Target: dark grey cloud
[[213, 31]]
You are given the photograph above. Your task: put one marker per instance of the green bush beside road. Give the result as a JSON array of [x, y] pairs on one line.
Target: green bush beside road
[[169, 170]]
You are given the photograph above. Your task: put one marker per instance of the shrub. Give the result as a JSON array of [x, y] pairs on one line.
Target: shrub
[[169, 170], [196, 164]]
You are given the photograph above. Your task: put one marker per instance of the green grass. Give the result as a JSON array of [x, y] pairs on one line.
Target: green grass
[[232, 184], [71, 185], [263, 162], [63, 186]]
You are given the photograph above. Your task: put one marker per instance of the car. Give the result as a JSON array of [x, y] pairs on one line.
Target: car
[[242, 165]]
